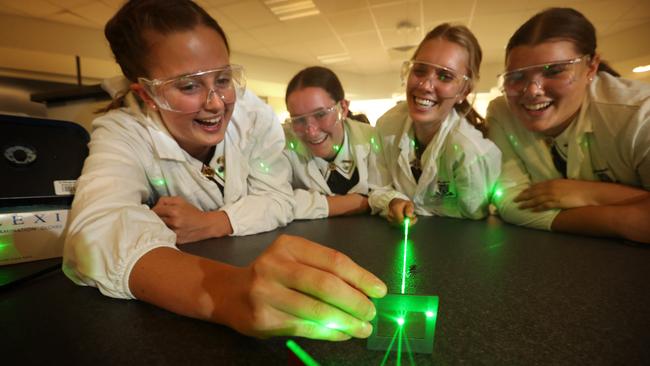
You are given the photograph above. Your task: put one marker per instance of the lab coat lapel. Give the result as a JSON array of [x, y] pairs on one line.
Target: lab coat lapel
[[577, 167], [403, 162], [359, 149]]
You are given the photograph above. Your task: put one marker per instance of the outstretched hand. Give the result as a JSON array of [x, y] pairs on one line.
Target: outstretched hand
[[300, 288]]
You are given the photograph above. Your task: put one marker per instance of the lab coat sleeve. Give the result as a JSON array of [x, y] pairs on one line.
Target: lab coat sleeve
[[513, 178], [382, 192], [310, 205], [641, 145], [475, 177], [269, 202], [109, 226]]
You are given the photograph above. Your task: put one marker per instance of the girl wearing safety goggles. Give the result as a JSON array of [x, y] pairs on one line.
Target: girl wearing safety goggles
[[575, 137], [332, 156], [196, 157], [434, 159]]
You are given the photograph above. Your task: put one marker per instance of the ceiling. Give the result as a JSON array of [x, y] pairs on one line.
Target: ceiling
[[359, 36]]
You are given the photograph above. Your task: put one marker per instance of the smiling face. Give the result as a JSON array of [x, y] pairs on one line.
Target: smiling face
[[185, 52], [425, 105], [321, 133], [548, 107]]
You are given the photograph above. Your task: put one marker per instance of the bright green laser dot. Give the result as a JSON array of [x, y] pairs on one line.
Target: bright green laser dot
[[301, 354], [400, 321], [292, 146], [498, 193], [429, 314], [407, 222], [159, 182]]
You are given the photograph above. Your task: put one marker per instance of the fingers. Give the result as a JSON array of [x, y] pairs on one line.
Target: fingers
[[320, 319], [265, 320], [409, 211], [334, 262], [332, 289], [395, 215], [399, 209]]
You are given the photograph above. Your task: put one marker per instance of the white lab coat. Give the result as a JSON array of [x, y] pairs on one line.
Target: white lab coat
[[134, 160], [459, 168], [608, 141], [310, 187]]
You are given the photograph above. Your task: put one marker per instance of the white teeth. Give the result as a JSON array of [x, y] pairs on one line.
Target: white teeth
[[211, 121], [316, 142], [424, 102], [536, 107]]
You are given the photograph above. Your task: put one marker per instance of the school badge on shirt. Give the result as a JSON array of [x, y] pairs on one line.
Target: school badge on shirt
[[443, 190]]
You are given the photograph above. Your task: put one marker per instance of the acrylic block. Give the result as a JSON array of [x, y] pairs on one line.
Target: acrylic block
[[404, 323]]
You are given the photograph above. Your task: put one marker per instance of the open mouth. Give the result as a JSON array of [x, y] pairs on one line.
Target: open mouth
[[210, 123], [536, 107], [318, 140], [424, 103]]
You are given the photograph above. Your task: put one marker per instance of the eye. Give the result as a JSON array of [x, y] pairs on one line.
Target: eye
[[224, 80], [299, 121], [420, 70], [320, 114], [554, 70], [187, 85], [513, 77], [446, 76]]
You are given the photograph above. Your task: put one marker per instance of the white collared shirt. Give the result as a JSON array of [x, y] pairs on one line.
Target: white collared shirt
[[343, 162], [608, 141], [459, 167], [309, 182]]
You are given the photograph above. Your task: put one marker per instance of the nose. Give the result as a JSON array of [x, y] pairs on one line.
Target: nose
[[427, 83], [528, 87], [214, 100], [311, 127]]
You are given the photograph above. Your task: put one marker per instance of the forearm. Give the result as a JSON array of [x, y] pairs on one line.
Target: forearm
[[603, 193], [183, 283], [348, 204], [628, 221]]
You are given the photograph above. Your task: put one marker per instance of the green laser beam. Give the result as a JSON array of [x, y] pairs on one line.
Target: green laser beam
[[399, 346], [301, 354], [390, 347], [407, 221], [408, 348]]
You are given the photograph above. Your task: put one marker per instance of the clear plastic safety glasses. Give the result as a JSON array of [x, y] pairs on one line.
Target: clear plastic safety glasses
[[324, 118], [447, 82], [189, 93], [549, 76]]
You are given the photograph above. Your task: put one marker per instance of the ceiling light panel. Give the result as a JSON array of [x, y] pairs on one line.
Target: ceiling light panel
[[291, 9]]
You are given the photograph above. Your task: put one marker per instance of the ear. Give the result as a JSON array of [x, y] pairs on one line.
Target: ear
[[465, 93], [142, 93], [593, 67], [345, 104]]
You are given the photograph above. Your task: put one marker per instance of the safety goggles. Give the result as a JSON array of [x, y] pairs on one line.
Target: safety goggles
[[549, 76], [189, 93], [447, 82], [323, 117]]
